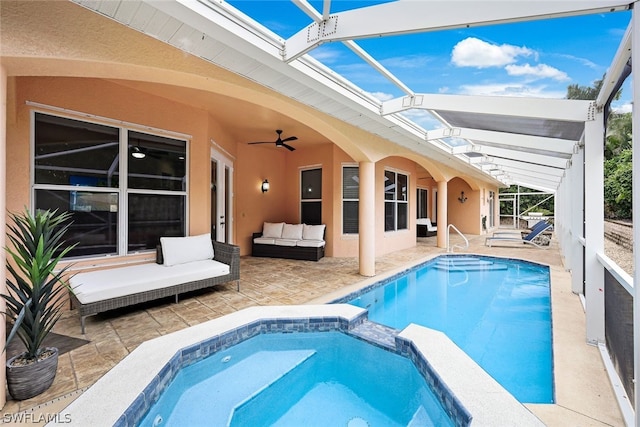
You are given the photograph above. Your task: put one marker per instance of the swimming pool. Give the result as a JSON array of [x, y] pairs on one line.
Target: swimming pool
[[123, 396], [299, 379], [497, 310]]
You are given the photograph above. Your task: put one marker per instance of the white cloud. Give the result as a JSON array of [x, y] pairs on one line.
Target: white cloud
[[538, 71], [511, 89], [422, 118], [473, 52], [382, 96], [406, 62], [625, 107], [326, 55]]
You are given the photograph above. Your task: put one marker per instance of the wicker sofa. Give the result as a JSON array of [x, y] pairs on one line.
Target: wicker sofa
[[291, 241], [180, 267]]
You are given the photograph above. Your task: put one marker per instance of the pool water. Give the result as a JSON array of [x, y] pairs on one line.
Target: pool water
[[496, 310], [295, 379]]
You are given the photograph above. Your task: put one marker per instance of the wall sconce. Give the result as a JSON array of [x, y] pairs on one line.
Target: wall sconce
[[265, 186], [462, 197]]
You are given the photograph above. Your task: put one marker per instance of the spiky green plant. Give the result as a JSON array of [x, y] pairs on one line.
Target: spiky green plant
[[36, 290]]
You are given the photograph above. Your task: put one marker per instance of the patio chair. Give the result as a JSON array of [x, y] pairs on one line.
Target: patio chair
[[529, 239], [425, 228]]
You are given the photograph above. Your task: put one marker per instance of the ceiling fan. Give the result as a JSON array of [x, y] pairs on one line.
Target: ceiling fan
[[279, 142]]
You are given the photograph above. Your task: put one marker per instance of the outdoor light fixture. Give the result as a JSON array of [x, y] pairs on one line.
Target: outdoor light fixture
[[462, 197], [137, 153], [265, 186]]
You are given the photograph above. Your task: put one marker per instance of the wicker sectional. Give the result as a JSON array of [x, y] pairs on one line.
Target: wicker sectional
[[223, 252], [289, 252]]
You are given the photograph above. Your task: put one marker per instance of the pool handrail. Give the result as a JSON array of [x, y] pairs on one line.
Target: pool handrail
[[450, 248]]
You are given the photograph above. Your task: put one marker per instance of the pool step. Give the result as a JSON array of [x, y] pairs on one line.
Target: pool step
[[468, 264], [420, 418], [249, 377]]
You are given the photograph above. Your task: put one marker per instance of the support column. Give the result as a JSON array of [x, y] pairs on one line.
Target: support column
[[3, 222], [635, 185], [367, 219], [577, 222], [443, 221], [594, 233]]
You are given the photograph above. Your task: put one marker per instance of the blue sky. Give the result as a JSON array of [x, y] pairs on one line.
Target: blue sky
[[538, 58]]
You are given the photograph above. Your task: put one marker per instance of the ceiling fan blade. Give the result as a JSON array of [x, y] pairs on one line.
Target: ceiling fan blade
[[291, 138], [288, 147], [261, 142]]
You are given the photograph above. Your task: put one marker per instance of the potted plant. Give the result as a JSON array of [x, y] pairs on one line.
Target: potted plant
[[34, 297]]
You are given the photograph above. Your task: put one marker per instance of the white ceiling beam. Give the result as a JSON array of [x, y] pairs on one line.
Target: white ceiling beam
[[311, 12], [528, 181], [424, 16], [523, 157], [506, 140], [538, 108], [513, 165], [623, 55], [535, 186]]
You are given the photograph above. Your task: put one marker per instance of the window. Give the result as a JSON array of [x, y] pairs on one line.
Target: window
[[422, 198], [396, 201], [124, 188], [311, 196], [350, 199]]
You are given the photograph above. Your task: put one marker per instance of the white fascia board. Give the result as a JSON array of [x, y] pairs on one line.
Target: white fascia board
[[424, 16], [574, 110], [506, 140]]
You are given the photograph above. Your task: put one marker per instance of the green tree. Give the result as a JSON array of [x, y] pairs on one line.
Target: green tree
[[619, 134], [617, 152], [584, 92], [618, 186]]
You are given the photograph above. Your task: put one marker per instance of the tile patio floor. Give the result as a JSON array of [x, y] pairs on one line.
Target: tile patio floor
[[583, 393]]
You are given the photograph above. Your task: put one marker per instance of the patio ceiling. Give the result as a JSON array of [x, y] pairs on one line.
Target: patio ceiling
[[501, 140]]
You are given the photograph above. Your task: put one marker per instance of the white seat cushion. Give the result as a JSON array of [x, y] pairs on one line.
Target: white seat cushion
[[292, 231], [313, 232], [310, 243], [117, 282], [264, 241], [286, 242], [272, 229]]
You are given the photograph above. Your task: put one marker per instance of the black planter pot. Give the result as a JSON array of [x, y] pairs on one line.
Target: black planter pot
[[27, 381]]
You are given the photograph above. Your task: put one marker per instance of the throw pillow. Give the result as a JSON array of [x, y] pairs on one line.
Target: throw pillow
[[272, 229], [313, 232], [180, 250], [292, 231]]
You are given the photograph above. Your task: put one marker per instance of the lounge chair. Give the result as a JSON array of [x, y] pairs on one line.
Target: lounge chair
[[519, 232], [425, 228], [529, 239]]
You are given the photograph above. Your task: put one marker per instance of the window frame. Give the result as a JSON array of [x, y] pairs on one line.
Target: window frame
[[395, 201], [302, 170], [351, 200], [122, 189]]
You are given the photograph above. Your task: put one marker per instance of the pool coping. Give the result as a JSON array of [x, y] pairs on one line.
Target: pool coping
[[109, 399]]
